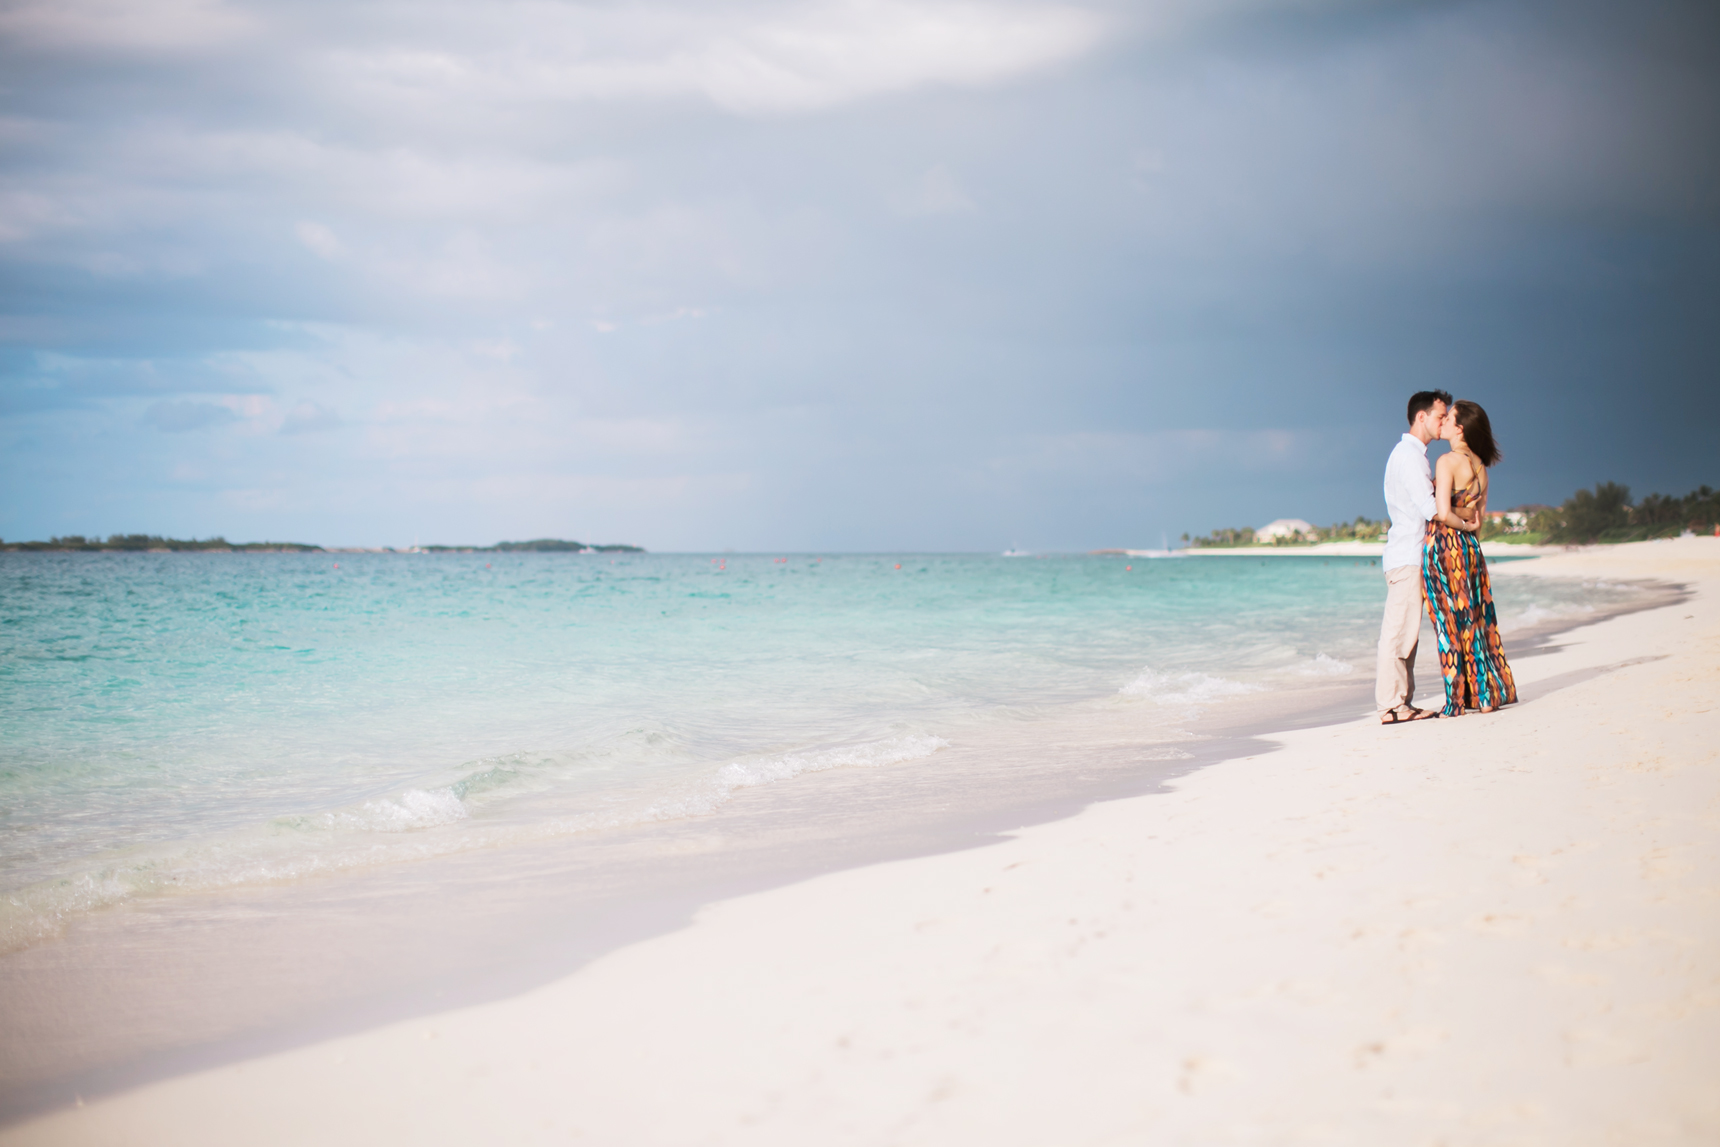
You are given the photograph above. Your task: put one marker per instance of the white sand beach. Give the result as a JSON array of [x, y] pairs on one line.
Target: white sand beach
[[1496, 929], [1496, 548]]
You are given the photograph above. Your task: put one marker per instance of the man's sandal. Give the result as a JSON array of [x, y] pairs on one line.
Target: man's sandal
[[1406, 713]]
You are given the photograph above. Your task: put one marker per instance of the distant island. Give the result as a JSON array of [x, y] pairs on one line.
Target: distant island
[[538, 546], [153, 544], [1604, 515]]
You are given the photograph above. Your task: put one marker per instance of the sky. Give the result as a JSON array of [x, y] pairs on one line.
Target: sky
[[856, 275]]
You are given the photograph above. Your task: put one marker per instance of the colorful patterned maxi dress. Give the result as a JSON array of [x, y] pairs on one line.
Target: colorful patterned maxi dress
[[1460, 604]]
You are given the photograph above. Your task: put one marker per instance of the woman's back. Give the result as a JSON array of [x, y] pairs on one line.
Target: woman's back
[[1467, 478]]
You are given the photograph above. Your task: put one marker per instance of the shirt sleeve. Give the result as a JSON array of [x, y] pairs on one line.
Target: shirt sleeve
[[1409, 485], [1423, 500]]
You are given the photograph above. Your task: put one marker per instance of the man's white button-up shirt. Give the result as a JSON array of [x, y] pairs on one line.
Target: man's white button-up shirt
[[1409, 500]]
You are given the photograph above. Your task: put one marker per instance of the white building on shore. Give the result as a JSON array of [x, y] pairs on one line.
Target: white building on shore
[[1291, 528]]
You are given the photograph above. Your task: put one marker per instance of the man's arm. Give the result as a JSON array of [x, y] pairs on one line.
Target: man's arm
[[1421, 491]]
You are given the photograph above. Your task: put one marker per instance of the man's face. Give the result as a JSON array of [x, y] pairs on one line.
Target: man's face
[[1427, 423]]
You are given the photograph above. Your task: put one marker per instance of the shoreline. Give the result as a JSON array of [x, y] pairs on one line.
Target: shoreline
[[608, 889], [1496, 929], [649, 892], [1492, 549]]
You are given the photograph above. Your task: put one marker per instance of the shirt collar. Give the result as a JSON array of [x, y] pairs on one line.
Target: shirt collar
[[1416, 442]]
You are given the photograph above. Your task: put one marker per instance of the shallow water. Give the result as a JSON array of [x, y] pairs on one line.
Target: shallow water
[[185, 721]]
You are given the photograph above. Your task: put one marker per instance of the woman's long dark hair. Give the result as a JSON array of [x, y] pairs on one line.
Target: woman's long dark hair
[[1477, 432]]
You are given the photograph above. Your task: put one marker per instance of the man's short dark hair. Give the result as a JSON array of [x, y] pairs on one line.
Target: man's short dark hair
[[1424, 399]]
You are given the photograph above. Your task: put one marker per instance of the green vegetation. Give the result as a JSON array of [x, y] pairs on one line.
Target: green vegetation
[[538, 546], [1606, 514], [1223, 538], [556, 546], [1360, 530], [151, 543]]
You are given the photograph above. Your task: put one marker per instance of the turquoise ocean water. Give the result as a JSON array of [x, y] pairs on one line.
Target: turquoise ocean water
[[186, 721]]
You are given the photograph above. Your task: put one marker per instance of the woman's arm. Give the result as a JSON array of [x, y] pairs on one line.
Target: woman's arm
[[1478, 512]]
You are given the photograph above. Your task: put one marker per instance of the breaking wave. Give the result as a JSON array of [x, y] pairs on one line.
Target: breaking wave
[[1184, 688], [1324, 666], [415, 823]]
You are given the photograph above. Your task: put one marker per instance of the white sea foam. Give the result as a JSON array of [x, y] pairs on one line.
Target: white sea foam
[[750, 771], [412, 809], [1184, 688], [32, 914], [1324, 666], [1535, 614], [743, 774]]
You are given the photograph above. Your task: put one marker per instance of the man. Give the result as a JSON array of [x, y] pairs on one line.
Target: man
[[1409, 500]]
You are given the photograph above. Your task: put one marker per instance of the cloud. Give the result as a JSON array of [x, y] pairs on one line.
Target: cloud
[[320, 240], [24, 214], [1088, 458], [180, 417], [309, 418], [123, 26], [951, 274], [750, 59], [502, 350], [937, 192]]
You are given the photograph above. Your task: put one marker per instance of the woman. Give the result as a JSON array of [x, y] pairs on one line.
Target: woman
[[1459, 596]]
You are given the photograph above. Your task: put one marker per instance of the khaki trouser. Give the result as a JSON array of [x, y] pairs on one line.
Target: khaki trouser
[[1394, 681]]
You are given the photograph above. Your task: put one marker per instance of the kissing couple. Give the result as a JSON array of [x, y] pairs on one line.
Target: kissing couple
[[1432, 557]]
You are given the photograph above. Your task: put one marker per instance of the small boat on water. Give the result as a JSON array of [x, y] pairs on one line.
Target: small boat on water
[[1017, 553]]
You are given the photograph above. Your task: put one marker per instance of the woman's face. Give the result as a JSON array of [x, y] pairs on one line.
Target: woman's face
[[1451, 431], [1448, 423]]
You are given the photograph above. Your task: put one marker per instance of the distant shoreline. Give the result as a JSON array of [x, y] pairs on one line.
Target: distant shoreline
[[1493, 547], [150, 544]]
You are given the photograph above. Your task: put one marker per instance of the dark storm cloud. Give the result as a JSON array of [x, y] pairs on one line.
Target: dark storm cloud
[[846, 274]]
